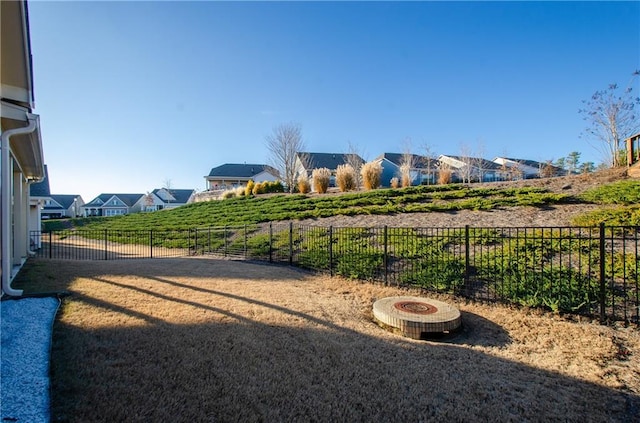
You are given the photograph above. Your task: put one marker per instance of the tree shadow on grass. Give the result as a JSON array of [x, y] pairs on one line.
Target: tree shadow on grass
[[44, 275], [475, 330], [244, 371], [136, 365]]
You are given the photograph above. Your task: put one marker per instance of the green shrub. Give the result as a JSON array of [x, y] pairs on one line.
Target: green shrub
[[620, 216], [321, 178], [559, 289], [625, 192], [273, 187], [359, 265], [440, 274]]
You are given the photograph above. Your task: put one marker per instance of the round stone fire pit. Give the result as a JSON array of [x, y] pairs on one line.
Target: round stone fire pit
[[415, 316]]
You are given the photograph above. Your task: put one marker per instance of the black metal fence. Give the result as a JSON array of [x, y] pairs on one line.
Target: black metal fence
[[590, 271]]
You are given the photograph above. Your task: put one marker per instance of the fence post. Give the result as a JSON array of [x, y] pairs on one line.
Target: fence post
[[224, 236], [270, 242], [105, 244], [245, 241], [466, 260], [603, 291], [50, 244], [331, 251], [290, 243], [151, 243], [385, 259]]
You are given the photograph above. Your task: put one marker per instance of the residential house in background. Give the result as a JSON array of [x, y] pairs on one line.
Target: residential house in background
[[63, 205], [515, 169], [632, 145], [22, 159], [54, 206], [233, 175], [422, 171], [40, 194], [307, 162], [471, 169], [114, 205], [167, 198]]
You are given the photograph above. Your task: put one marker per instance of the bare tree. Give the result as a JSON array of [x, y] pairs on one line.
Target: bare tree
[[148, 201], [283, 145], [353, 158], [408, 163], [612, 117], [167, 185], [465, 172], [429, 161], [547, 169], [473, 163]]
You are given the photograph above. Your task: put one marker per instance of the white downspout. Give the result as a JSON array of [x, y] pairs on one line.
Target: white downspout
[[6, 204]]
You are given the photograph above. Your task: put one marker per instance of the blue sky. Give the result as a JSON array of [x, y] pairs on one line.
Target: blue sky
[[134, 94]]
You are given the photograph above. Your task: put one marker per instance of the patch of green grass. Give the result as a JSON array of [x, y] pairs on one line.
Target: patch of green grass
[[56, 225]]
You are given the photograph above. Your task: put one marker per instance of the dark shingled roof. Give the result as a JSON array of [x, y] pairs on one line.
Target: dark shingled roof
[[477, 162], [65, 200], [329, 160], [181, 196], [41, 189], [236, 170], [396, 159], [128, 199], [532, 163]]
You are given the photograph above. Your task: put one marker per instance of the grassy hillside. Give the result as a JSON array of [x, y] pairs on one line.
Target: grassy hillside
[[619, 200], [250, 210]]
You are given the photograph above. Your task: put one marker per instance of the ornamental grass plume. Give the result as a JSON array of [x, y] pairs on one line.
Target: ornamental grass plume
[[444, 176], [248, 190], [371, 173], [405, 174], [346, 178], [230, 193], [321, 178], [303, 184], [258, 188], [395, 182]]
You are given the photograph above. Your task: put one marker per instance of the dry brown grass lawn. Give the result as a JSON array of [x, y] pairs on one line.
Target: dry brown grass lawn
[[186, 340]]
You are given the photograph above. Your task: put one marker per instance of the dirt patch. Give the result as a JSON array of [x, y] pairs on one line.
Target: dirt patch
[[212, 340]]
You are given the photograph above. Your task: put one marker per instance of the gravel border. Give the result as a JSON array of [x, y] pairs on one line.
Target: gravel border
[[25, 350]]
